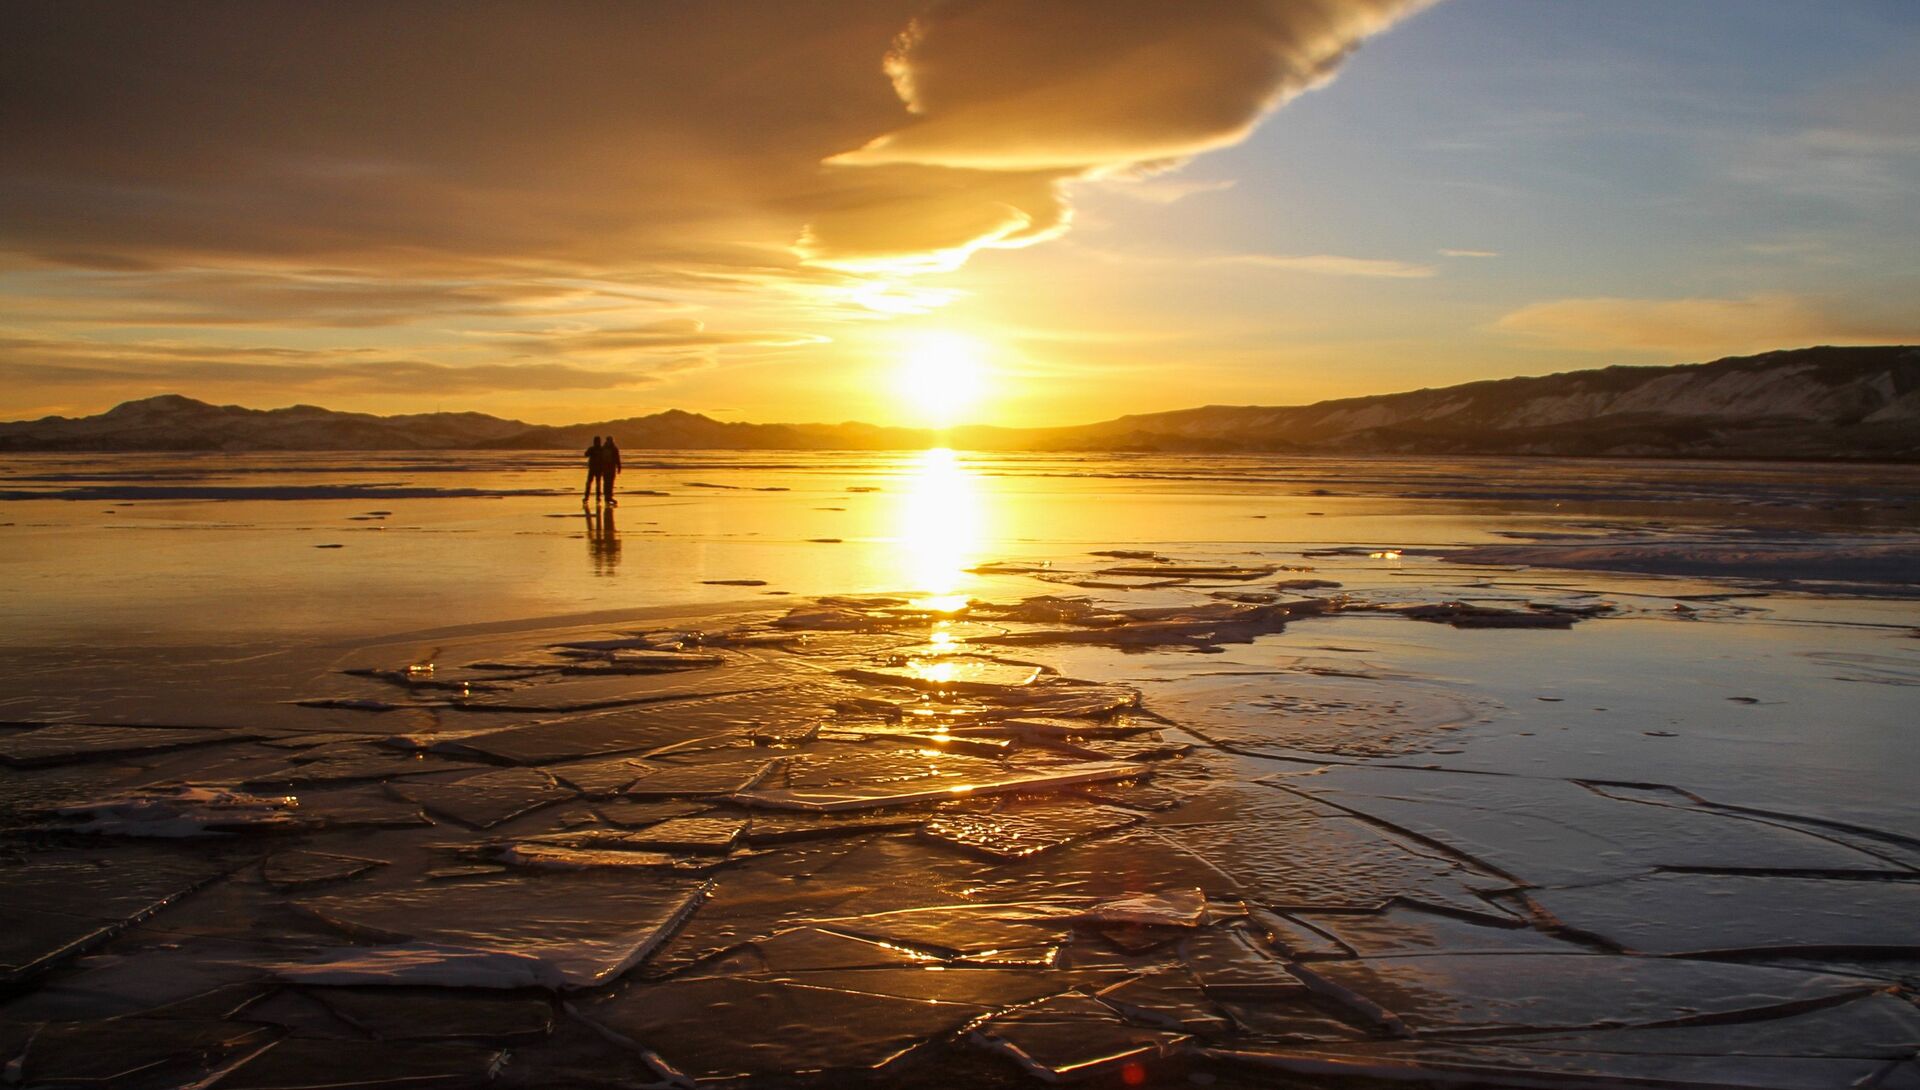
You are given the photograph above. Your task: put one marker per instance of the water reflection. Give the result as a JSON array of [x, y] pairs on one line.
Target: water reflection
[[603, 540], [941, 527]]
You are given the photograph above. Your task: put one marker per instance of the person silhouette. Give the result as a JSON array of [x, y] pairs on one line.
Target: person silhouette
[[609, 469], [596, 458]]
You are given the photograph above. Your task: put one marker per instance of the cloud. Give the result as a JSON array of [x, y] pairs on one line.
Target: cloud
[[1705, 327], [459, 181], [1044, 92], [1469, 253], [1330, 265], [1079, 85], [161, 366], [673, 335]]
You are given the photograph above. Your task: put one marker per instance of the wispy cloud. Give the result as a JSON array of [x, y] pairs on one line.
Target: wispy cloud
[[1331, 265], [1469, 253], [1706, 326]]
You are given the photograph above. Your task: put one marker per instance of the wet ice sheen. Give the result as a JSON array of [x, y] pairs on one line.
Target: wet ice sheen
[[867, 835]]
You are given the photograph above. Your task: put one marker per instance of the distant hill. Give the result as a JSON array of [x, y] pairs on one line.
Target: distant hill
[[1813, 403]]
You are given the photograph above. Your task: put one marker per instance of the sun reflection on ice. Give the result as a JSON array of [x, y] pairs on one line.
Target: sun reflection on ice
[[941, 529]]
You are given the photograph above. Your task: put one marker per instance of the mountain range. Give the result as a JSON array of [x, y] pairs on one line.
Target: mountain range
[[1806, 403]]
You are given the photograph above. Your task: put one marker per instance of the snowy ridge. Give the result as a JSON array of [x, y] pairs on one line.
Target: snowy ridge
[[1821, 403]]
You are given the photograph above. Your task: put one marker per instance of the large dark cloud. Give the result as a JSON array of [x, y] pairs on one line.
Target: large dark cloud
[[361, 164]]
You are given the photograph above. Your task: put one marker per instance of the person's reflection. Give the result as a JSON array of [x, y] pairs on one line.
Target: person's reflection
[[603, 540]]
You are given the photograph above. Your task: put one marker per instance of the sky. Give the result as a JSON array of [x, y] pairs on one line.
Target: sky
[[1017, 212]]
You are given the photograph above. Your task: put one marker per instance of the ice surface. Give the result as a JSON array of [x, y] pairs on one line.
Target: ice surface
[[58, 907], [1063, 867], [1165, 908], [132, 1051], [1070, 1036], [1554, 831], [935, 788], [561, 857], [1231, 964], [569, 931], [292, 1063], [1291, 714], [401, 1014], [487, 799], [184, 811], [1700, 913], [64, 743], [1400, 930], [296, 869], [733, 1027], [1436, 992], [1026, 831]]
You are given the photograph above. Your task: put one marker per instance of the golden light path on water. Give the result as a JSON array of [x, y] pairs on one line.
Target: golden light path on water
[[940, 531]]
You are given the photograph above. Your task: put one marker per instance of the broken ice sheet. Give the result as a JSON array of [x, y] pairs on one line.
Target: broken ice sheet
[[652, 725], [803, 949], [299, 1063], [781, 828], [599, 779], [1168, 998], [1400, 930], [1438, 992], [1333, 863], [487, 799], [344, 763], [55, 908], [1700, 913], [558, 930], [1164, 908], [685, 778], [435, 1014], [1845, 1045], [935, 788], [950, 673], [296, 868], [186, 810], [558, 857], [1020, 832], [1231, 964], [715, 833], [959, 930], [729, 1027], [64, 743], [1070, 1036], [1555, 831], [1286, 713], [115, 1052]]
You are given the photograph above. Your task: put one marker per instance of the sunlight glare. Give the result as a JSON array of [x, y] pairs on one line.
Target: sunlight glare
[[940, 531], [941, 376]]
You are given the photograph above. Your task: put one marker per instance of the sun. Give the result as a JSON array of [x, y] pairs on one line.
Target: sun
[[941, 377]]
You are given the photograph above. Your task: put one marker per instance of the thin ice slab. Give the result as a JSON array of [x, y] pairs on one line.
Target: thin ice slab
[[1070, 1036], [1437, 992], [487, 799], [554, 931], [299, 869], [132, 1051], [936, 788], [1559, 832], [57, 908], [1718, 913], [67, 743], [187, 810], [1026, 831], [719, 1028], [439, 1014]]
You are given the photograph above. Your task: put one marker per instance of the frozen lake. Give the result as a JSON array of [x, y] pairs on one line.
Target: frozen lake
[[1523, 771]]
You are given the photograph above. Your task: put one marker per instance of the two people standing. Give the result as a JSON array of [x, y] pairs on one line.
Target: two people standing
[[603, 465]]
